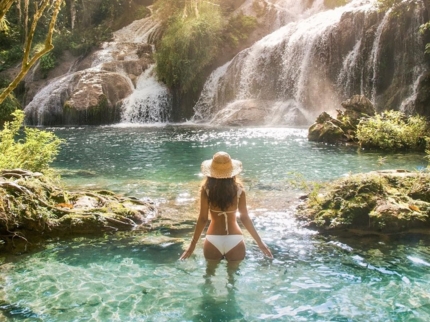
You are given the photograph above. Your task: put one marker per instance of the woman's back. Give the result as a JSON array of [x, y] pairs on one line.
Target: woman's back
[[223, 218]]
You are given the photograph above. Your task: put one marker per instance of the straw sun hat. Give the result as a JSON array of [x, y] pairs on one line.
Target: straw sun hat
[[221, 166]]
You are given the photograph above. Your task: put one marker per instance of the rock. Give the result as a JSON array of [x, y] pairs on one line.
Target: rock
[[342, 128], [360, 104], [38, 209], [389, 201], [326, 132], [84, 98], [254, 112]]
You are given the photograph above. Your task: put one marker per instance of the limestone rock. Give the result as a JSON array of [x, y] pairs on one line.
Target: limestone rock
[[85, 97]]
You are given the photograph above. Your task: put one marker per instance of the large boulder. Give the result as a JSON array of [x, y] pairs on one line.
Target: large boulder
[[36, 207], [85, 97]]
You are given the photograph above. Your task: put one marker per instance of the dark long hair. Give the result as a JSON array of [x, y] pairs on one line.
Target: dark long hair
[[221, 192]]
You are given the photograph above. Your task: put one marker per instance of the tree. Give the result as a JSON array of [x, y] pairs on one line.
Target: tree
[[28, 61]]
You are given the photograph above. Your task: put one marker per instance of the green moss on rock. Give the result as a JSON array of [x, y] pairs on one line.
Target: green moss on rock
[[383, 201]]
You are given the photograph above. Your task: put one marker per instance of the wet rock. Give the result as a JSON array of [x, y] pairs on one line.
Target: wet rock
[[359, 104], [254, 112]]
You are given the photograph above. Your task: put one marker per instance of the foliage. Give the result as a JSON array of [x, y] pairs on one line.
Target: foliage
[[387, 4], [34, 152], [392, 130], [189, 44], [47, 62], [29, 59], [423, 29], [238, 28], [194, 36], [9, 105]]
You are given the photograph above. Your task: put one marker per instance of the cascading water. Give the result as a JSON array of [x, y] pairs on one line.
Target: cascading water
[[311, 65], [150, 102]]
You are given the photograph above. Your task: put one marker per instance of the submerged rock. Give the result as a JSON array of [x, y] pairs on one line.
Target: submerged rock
[[391, 201]]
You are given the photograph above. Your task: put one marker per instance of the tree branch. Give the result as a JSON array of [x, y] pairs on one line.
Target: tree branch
[[27, 63]]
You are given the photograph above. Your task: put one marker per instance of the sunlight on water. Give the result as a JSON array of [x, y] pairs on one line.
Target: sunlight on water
[[137, 277]]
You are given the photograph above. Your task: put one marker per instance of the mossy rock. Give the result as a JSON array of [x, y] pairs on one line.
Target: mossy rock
[[382, 202], [33, 206]]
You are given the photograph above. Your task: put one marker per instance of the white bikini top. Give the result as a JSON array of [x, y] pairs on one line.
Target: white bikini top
[[225, 213]]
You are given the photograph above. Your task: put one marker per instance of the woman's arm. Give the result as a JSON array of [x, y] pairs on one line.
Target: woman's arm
[[200, 225], [248, 224]]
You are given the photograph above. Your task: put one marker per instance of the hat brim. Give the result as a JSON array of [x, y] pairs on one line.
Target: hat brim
[[207, 170]]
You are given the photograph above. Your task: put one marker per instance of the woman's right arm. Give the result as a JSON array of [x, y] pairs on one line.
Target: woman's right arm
[[200, 225]]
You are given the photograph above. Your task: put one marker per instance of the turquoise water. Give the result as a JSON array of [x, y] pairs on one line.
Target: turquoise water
[[137, 277]]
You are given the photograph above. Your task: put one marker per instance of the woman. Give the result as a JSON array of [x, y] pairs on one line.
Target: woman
[[222, 196]]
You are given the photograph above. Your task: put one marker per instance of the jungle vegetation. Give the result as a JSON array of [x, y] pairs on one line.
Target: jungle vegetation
[[195, 33]]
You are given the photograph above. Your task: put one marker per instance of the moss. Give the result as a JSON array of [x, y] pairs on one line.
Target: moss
[[382, 201]]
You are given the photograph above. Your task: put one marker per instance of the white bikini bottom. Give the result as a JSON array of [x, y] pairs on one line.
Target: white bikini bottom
[[224, 243]]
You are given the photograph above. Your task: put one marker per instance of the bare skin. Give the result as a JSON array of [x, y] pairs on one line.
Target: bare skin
[[217, 227]]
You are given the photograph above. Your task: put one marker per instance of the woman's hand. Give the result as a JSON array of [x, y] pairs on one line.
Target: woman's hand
[[188, 252], [266, 251]]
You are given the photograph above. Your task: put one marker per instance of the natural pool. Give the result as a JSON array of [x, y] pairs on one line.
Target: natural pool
[[137, 277]]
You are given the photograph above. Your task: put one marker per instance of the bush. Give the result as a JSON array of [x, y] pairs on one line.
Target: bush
[[34, 152], [7, 107], [393, 130], [335, 3]]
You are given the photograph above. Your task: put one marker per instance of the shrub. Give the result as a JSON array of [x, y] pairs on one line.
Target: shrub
[[189, 44], [393, 130], [335, 3], [32, 150]]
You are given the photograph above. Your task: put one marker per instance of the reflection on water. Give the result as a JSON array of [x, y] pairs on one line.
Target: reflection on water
[[137, 277]]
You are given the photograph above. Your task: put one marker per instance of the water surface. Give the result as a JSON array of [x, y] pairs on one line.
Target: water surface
[[137, 277]]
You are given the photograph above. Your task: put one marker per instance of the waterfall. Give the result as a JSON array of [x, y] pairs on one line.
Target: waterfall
[[149, 103], [419, 69], [375, 54], [311, 65]]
